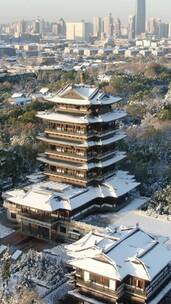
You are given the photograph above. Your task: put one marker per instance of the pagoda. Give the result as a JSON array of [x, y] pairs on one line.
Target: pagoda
[[81, 135]]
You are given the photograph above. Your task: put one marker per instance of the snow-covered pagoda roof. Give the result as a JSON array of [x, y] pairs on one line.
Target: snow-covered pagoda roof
[[116, 157], [89, 143], [83, 95], [129, 252], [53, 196], [84, 119]]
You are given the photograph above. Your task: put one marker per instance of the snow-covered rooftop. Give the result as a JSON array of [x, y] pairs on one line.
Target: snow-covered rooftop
[[17, 95], [85, 119], [127, 252], [4, 232], [88, 143], [86, 95], [162, 294], [44, 90], [53, 196], [114, 158]]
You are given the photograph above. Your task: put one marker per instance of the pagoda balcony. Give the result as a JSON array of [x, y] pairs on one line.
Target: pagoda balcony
[[81, 167], [67, 134], [80, 134], [76, 157], [82, 143], [102, 290], [70, 109], [67, 175], [68, 156], [37, 218], [135, 291], [70, 179]]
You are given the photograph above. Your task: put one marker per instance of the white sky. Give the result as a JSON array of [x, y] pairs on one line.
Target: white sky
[[11, 10]]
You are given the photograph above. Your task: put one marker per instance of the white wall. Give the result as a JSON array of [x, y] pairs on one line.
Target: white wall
[[86, 276]]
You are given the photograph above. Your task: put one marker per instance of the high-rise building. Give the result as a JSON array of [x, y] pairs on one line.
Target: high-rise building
[[62, 27], [140, 17], [37, 26], [21, 28], [163, 30], [117, 28], [77, 31], [56, 29], [153, 26], [108, 25], [169, 30], [97, 27], [131, 28]]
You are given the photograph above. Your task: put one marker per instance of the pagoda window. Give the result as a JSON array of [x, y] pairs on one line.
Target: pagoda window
[[52, 147], [69, 172], [79, 174], [137, 283], [60, 149], [53, 168], [59, 170], [62, 229], [13, 216], [80, 131], [99, 280], [52, 125], [58, 128], [80, 153]]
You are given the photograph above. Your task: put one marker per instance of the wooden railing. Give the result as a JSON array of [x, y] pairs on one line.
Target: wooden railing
[[108, 292], [97, 288], [135, 290], [80, 158], [78, 134], [33, 217], [68, 178]]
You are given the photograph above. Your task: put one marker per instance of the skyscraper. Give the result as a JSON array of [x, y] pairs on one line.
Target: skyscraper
[[21, 28], [117, 28], [163, 30], [153, 26], [140, 16], [131, 28], [62, 27], [108, 25], [37, 26], [97, 27], [169, 31]]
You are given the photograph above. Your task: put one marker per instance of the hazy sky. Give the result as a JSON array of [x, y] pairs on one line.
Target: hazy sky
[[78, 9]]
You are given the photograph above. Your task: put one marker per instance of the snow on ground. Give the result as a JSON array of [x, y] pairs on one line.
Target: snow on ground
[[106, 219], [130, 216], [135, 204], [4, 231], [147, 223]]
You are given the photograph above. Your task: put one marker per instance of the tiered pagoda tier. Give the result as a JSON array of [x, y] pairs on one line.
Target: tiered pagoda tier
[[82, 134]]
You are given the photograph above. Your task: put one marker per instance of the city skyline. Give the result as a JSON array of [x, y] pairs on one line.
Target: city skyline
[[52, 9]]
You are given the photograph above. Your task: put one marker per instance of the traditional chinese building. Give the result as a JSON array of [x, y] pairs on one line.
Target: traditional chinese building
[[82, 133], [128, 266]]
